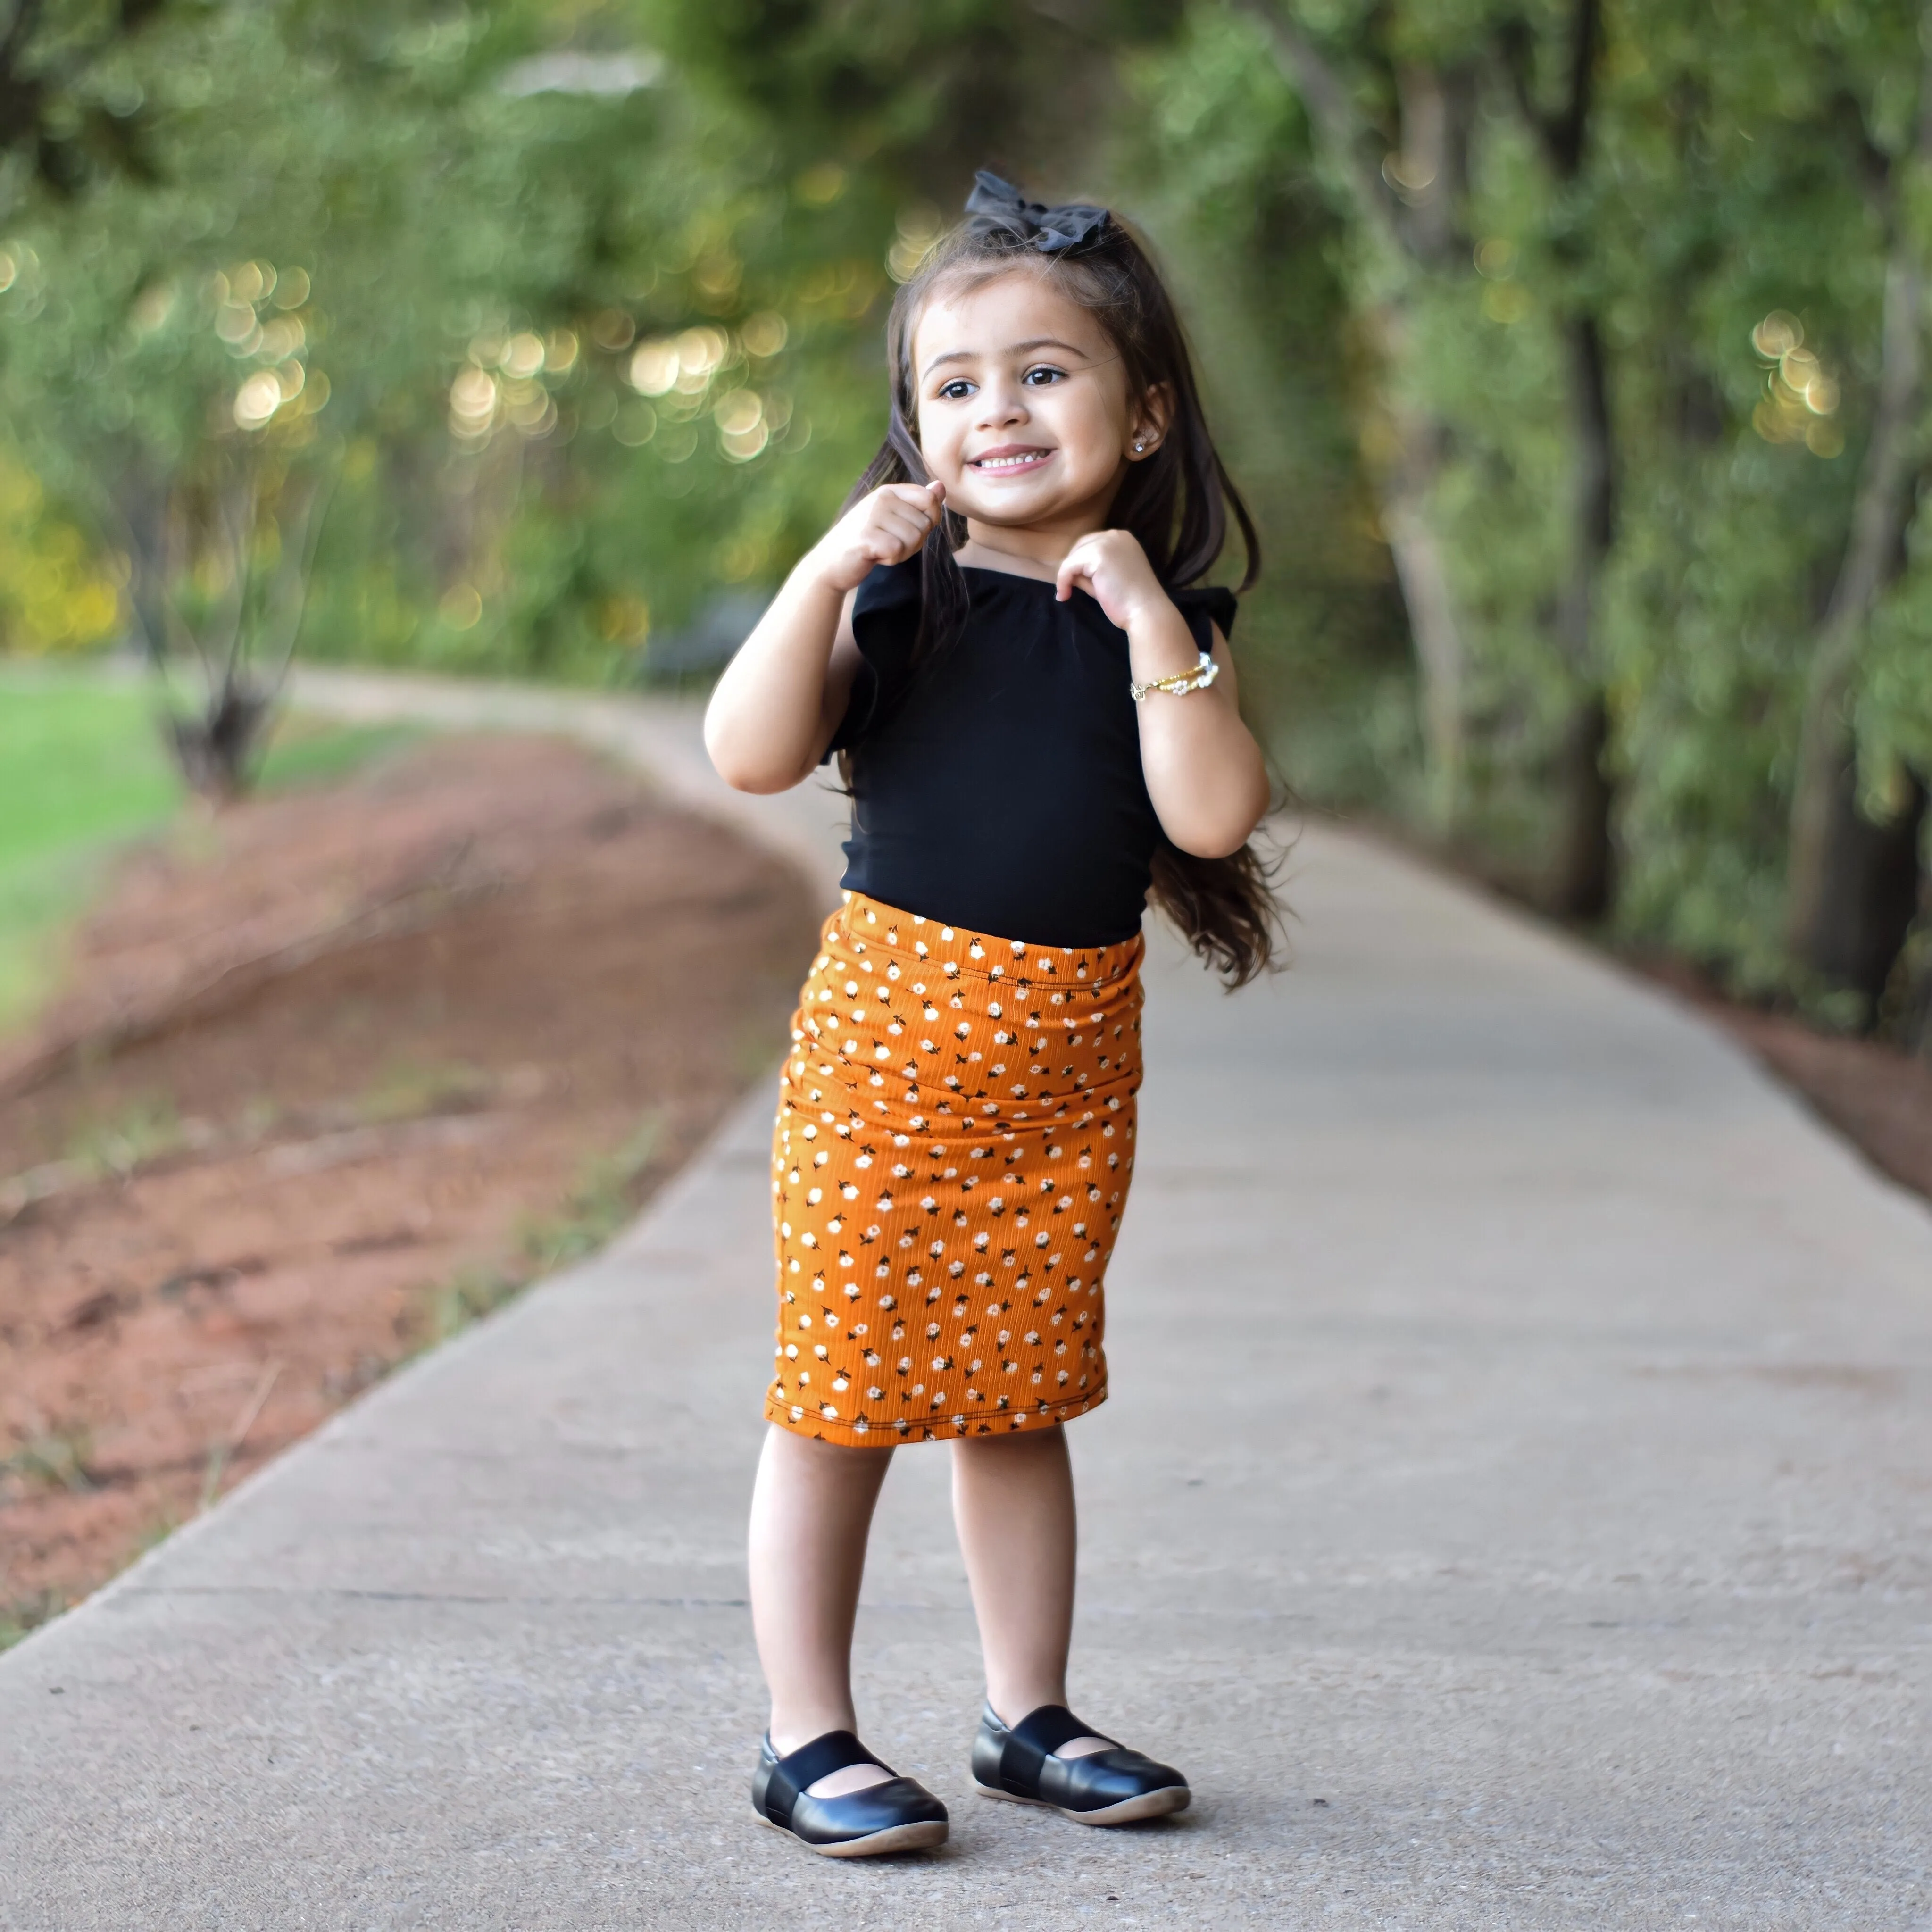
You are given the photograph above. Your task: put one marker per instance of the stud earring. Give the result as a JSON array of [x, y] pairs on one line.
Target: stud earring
[[1138, 445]]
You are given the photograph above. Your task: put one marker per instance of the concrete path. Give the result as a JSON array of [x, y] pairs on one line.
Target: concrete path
[[1516, 1511]]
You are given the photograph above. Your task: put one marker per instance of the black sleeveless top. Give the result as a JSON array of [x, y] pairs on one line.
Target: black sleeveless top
[[998, 787]]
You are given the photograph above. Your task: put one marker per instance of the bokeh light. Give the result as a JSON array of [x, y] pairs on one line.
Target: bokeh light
[[461, 606], [613, 330], [472, 403], [522, 356], [821, 185], [1801, 396], [654, 367], [765, 333], [257, 400], [919, 227]]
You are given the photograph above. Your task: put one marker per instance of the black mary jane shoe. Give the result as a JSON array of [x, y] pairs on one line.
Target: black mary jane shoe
[[1114, 1786], [896, 1816]]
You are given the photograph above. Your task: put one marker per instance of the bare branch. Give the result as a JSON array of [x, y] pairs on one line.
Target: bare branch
[[1564, 135], [22, 96], [1571, 131], [314, 515], [175, 554], [1515, 48], [1436, 105], [237, 525], [1338, 125], [13, 41], [1871, 166]]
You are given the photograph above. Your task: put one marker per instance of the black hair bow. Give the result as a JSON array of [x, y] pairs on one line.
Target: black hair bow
[[1050, 230]]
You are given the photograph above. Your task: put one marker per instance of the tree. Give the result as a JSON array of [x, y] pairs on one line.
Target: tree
[[1853, 884], [178, 401], [1404, 168], [1399, 188], [1774, 427]]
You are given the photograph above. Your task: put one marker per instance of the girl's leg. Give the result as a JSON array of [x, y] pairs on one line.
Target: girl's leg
[[811, 1510], [1013, 1500]]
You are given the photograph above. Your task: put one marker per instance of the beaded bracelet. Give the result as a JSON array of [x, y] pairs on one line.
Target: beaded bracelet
[[1198, 679]]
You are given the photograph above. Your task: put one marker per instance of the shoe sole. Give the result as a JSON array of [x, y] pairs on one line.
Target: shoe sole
[[1161, 1803], [919, 1838]]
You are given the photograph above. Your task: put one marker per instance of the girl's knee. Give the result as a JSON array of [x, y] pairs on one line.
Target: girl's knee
[[827, 1461], [1014, 1443]]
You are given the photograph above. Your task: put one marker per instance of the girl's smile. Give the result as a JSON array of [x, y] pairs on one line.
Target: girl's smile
[[1008, 459], [1023, 413]]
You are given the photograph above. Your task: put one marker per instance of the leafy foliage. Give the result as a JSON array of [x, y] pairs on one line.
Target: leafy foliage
[[1549, 340]]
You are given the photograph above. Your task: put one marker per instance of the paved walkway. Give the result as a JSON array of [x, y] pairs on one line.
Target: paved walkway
[[1514, 1512]]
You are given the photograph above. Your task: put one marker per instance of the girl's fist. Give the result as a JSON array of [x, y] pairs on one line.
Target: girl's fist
[[1112, 567], [885, 527]]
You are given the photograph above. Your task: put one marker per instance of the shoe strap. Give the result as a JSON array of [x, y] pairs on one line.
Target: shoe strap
[[798, 1771], [1049, 1727], [1033, 1740]]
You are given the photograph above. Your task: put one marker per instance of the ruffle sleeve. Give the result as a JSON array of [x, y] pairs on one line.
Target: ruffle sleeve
[[885, 622], [1206, 608]]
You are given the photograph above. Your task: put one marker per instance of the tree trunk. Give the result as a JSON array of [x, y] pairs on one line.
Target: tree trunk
[[1914, 1021], [1583, 875], [216, 750], [1880, 515], [1592, 488], [1422, 571], [1870, 889], [1404, 226], [140, 504], [1582, 878]]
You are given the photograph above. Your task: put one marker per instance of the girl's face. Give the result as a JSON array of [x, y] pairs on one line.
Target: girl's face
[[1023, 413]]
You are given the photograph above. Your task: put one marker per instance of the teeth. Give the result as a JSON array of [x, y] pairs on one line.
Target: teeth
[[1008, 462]]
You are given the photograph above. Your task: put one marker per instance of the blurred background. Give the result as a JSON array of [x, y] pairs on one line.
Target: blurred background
[[1570, 351]]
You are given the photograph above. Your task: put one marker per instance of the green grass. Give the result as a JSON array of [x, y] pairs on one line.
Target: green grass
[[24, 1616], [406, 1090], [606, 1197], [54, 1460], [141, 1130], [82, 773], [310, 750]]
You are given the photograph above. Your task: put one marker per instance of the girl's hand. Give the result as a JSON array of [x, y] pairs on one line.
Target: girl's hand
[[885, 527], [1112, 567]]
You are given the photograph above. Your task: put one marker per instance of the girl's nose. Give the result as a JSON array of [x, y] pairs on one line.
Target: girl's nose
[[1001, 404]]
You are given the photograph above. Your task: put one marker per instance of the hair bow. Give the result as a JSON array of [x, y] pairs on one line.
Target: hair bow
[[1049, 229]]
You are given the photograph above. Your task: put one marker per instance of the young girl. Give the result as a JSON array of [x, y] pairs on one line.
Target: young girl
[[1037, 716]]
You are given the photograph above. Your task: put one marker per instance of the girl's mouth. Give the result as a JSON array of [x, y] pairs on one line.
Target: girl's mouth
[[1008, 459]]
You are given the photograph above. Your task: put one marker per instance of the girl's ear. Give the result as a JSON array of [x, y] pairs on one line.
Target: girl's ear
[[1151, 422]]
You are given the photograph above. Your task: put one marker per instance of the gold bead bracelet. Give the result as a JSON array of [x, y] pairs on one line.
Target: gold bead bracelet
[[1181, 682]]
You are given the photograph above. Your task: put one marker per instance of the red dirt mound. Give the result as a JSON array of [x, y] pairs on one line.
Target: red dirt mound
[[336, 1071]]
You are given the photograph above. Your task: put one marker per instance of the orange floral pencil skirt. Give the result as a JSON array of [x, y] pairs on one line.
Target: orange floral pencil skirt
[[953, 1146]]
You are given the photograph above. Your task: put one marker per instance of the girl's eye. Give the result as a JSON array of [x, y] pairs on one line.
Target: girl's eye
[[956, 391], [1038, 379]]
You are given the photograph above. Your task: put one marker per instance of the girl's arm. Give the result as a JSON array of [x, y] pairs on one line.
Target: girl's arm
[[775, 710], [1204, 772]]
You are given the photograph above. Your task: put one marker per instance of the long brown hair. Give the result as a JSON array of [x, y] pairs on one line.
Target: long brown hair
[[1177, 502]]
